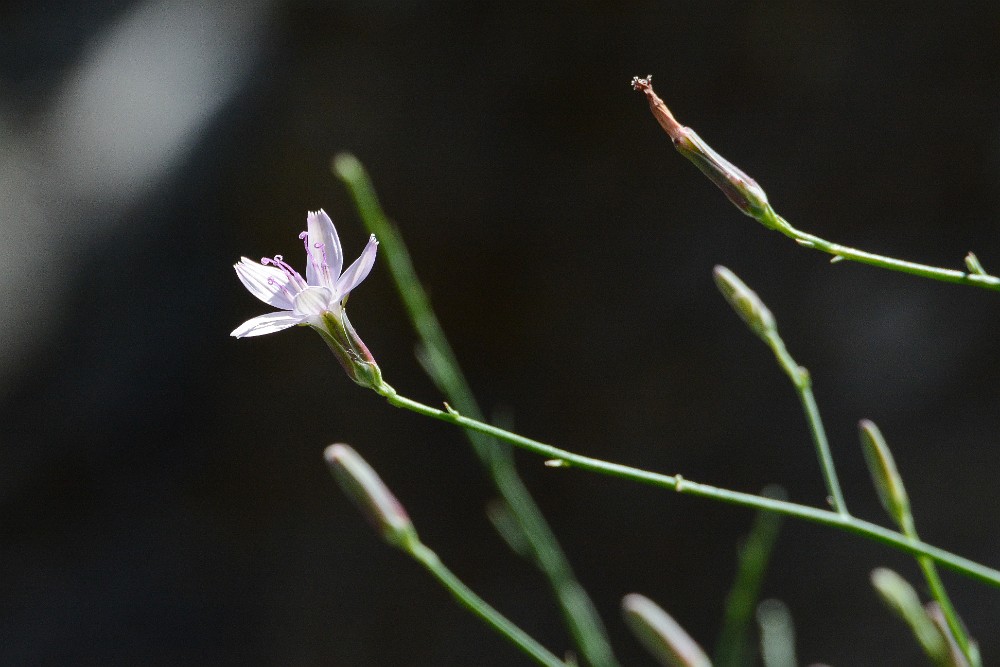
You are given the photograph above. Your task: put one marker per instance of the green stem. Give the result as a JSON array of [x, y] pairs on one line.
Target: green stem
[[468, 599], [679, 484], [751, 199], [733, 646], [439, 359], [803, 386], [954, 276], [938, 592]]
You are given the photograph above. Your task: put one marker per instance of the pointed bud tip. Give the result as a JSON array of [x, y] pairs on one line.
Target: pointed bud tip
[[744, 301], [335, 453], [370, 494], [662, 636], [885, 476], [903, 600]]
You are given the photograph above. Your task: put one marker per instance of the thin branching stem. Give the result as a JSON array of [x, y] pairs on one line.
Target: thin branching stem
[[468, 599], [803, 386], [677, 483], [733, 646], [953, 276], [940, 594], [748, 196], [439, 361]]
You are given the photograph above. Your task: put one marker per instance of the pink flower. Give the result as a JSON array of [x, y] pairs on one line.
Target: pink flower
[[317, 300], [304, 301]]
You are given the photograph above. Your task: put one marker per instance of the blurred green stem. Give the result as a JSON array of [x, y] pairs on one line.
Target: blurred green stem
[[468, 599], [938, 592], [733, 648], [563, 458], [441, 364]]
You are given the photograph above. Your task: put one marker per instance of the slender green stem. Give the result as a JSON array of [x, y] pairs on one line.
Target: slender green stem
[[807, 240], [468, 599], [439, 361], [938, 592], [951, 617], [847, 523], [747, 195], [733, 646], [803, 386]]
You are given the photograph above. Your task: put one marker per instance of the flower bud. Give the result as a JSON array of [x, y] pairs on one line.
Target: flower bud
[[367, 490], [955, 656], [899, 595], [662, 636], [745, 302], [739, 188], [882, 468], [508, 528], [777, 633]]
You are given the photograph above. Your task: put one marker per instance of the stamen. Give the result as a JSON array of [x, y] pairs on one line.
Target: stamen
[[283, 287], [292, 274], [324, 267], [320, 263]]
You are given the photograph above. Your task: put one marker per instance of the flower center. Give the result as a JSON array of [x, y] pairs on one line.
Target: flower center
[[313, 301]]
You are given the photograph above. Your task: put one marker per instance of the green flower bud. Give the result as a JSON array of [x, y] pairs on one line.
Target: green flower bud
[[899, 595], [882, 468], [662, 636], [367, 490], [745, 302]]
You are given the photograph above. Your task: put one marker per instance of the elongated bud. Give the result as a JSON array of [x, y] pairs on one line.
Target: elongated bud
[[745, 302], [777, 633], [899, 595], [350, 350], [740, 189], [661, 635], [956, 658], [887, 481], [367, 490], [506, 525]]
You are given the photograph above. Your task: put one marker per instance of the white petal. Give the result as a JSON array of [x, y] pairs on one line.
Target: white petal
[[267, 283], [359, 270], [312, 302], [322, 233], [265, 324]]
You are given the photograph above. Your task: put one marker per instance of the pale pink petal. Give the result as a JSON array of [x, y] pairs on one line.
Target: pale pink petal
[[267, 283], [359, 270], [265, 324], [325, 256]]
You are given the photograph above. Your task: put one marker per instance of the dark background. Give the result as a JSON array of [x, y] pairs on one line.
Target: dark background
[[164, 499]]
